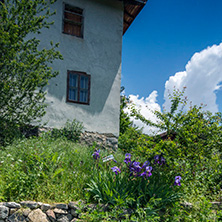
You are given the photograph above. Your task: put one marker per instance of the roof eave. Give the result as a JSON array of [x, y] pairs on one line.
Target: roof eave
[[131, 9]]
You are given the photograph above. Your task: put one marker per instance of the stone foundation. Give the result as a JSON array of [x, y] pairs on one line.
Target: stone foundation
[[105, 141]]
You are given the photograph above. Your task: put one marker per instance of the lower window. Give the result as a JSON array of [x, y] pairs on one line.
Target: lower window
[[78, 87]]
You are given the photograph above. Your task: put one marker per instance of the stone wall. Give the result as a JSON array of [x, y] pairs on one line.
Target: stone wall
[[105, 141], [29, 211]]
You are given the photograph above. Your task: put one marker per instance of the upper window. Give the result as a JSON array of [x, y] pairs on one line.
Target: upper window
[[78, 87], [73, 21]]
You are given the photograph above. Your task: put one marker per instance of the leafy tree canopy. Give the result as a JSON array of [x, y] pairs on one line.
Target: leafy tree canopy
[[24, 69]]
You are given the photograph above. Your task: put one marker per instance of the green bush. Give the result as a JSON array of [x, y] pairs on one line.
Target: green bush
[[71, 131]]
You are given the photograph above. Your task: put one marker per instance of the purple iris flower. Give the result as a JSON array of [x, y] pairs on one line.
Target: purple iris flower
[[177, 181], [115, 169], [162, 160], [157, 159], [136, 167], [146, 163], [96, 154], [147, 172], [127, 158]]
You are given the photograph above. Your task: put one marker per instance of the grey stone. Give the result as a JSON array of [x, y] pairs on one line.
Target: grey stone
[[187, 204], [2, 221], [37, 216], [17, 217], [12, 211], [75, 220], [26, 211], [51, 215], [30, 204], [74, 213], [64, 218], [12, 205], [112, 140], [45, 207], [60, 211], [74, 205], [4, 212], [61, 206]]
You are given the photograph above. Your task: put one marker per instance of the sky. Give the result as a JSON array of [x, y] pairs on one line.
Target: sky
[[174, 44]]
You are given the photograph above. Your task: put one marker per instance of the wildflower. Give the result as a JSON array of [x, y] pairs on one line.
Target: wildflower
[[135, 167], [96, 154], [127, 158], [115, 169], [147, 172], [177, 181], [146, 163], [162, 160], [157, 159]]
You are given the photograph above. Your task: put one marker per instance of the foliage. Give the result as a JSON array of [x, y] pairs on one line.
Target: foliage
[[130, 137], [125, 122], [133, 186], [44, 169], [71, 131], [193, 138], [25, 69]]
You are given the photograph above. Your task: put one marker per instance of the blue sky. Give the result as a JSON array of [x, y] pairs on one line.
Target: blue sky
[[161, 41]]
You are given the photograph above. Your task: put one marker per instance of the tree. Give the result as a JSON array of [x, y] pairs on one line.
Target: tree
[[24, 69]]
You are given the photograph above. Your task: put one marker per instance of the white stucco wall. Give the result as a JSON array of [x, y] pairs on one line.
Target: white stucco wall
[[97, 54]]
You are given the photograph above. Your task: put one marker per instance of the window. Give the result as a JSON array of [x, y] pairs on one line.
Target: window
[[73, 21], [78, 87]]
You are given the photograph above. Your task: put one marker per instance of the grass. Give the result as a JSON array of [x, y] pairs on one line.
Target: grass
[[46, 170], [53, 170]]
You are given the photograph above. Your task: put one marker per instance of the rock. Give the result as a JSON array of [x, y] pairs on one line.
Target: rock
[[65, 218], [26, 212], [45, 207], [61, 206], [37, 216], [51, 215], [74, 205], [60, 211], [187, 204], [17, 217], [30, 204], [92, 206], [75, 220], [12, 205], [74, 213], [12, 211], [4, 212]]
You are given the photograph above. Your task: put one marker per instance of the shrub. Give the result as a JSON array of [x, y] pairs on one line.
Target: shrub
[[71, 131]]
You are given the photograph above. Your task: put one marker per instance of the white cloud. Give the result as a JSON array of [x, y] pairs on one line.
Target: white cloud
[[202, 77], [146, 107]]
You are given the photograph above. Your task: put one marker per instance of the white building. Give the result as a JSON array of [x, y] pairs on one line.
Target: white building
[[88, 87]]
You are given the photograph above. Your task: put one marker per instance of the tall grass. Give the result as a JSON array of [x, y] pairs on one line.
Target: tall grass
[[45, 170]]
